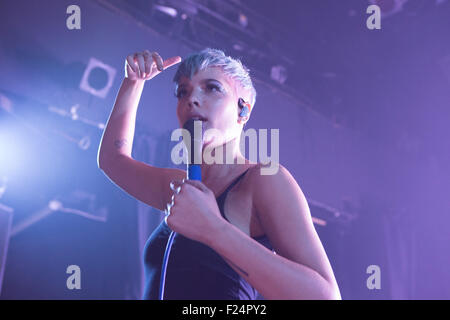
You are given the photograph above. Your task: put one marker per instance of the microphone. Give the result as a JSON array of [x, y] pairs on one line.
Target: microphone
[[193, 140]]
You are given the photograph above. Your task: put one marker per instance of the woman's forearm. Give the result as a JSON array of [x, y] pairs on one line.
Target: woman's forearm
[[119, 132], [273, 276]]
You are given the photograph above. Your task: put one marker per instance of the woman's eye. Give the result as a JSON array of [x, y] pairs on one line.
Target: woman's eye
[[180, 93], [212, 86]]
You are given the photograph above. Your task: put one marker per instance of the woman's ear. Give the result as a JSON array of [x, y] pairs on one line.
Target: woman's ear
[[244, 111], [245, 108]]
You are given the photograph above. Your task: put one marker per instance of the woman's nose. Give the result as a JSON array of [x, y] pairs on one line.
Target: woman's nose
[[194, 99], [193, 102]]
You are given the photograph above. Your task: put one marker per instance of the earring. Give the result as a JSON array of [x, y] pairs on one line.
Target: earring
[[246, 107]]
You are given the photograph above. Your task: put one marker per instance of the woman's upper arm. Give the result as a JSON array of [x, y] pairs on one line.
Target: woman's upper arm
[[144, 182], [286, 220]]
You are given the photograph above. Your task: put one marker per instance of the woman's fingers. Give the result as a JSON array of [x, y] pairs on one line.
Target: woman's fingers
[[145, 65], [141, 63], [170, 205], [158, 60], [171, 61], [176, 186], [131, 63], [128, 71], [148, 62]]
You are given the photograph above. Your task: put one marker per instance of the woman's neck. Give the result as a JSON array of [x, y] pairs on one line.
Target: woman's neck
[[233, 163]]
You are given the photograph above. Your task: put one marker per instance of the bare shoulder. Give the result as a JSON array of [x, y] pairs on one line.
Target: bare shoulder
[[270, 177], [275, 192]]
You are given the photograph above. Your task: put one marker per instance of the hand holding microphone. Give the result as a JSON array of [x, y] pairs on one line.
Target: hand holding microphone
[[193, 211]]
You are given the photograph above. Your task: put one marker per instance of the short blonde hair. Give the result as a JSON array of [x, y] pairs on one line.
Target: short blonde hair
[[216, 58]]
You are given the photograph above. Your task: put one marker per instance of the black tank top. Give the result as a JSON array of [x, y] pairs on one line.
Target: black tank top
[[194, 270]]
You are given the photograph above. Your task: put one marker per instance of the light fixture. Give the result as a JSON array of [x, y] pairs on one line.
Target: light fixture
[[97, 78], [243, 20], [167, 10], [278, 73]]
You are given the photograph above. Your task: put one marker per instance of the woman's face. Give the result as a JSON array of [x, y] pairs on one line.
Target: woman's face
[[213, 96]]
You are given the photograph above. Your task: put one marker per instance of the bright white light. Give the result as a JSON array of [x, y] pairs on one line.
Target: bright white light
[[55, 205], [167, 10], [12, 153]]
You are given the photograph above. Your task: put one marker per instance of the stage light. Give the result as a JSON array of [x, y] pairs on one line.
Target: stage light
[[97, 78], [176, 8], [243, 20], [167, 10], [73, 111], [279, 74], [55, 205]]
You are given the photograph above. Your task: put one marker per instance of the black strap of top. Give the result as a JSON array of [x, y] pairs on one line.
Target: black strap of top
[[232, 184], [222, 196]]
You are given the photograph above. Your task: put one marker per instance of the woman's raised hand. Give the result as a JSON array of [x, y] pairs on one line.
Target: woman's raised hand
[[146, 65]]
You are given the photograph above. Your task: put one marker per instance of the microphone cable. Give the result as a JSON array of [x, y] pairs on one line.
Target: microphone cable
[[164, 265]]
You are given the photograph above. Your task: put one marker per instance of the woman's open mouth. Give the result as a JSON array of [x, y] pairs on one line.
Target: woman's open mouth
[[200, 118]]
